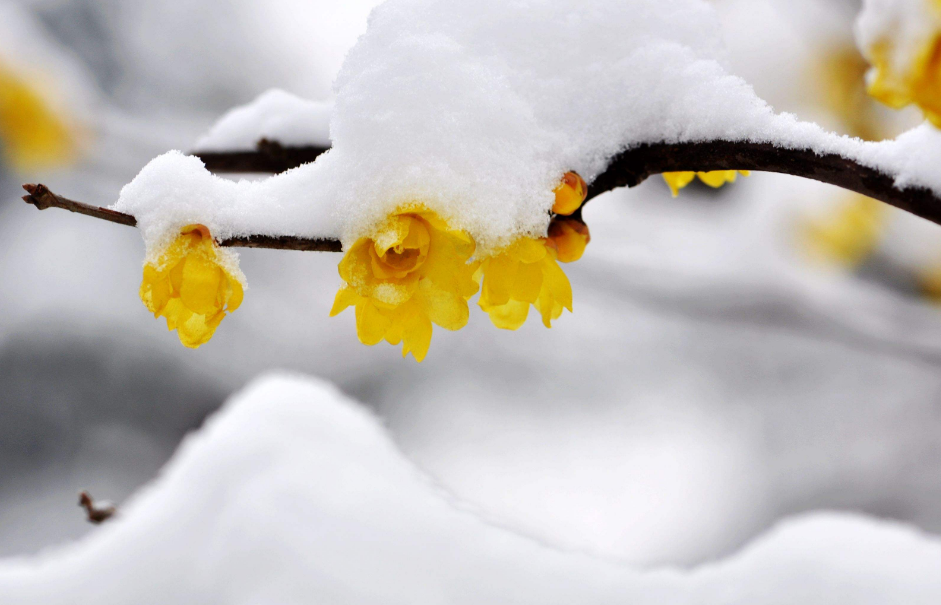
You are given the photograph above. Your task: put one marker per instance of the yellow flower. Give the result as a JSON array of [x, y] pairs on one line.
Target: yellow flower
[[412, 273], [570, 194], [714, 178], [33, 135], [193, 283], [569, 237], [522, 274], [850, 235], [918, 82]]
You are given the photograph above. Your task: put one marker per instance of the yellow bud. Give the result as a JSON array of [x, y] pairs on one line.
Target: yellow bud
[[569, 237], [570, 194]]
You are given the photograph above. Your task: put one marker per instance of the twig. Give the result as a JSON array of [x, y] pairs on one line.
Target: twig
[[41, 197], [627, 169], [97, 512], [269, 156]]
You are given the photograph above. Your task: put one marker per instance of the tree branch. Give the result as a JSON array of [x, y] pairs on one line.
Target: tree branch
[[632, 167], [627, 169], [268, 157]]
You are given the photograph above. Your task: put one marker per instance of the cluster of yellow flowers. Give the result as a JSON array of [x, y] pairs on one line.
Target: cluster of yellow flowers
[[915, 79], [414, 271]]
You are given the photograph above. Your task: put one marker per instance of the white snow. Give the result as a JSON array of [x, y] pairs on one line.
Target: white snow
[[295, 494], [476, 109], [276, 115]]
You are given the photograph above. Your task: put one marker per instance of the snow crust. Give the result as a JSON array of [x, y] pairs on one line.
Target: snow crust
[[275, 115], [295, 494], [476, 108]]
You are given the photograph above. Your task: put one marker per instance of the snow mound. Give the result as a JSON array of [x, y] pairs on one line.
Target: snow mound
[[294, 494], [475, 108], [276, 115]]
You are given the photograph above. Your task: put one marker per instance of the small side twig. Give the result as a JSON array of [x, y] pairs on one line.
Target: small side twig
[[98, 512]]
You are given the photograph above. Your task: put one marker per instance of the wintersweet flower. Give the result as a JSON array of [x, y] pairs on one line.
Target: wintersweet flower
[[569, 237], [899, 81], [714, 178], [570, 194], [193, 284], [522, 274], [32, 133], [413, 272]]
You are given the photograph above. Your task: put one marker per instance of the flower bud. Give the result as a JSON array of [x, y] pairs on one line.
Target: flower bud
[[570, 194]]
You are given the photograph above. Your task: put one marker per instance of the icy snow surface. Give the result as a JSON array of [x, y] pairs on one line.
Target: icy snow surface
[[295, 494], [275, 115], [477, 107]]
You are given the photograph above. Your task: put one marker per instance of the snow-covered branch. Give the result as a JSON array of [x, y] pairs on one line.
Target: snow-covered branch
[[627, 169], [41, 197]]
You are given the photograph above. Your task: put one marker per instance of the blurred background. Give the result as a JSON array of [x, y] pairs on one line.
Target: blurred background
[[735, 355]]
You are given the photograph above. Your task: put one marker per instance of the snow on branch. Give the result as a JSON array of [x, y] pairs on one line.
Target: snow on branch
[[627, 169], [41, 197]]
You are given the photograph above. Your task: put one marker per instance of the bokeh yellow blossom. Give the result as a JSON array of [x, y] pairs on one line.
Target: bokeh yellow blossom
[[569, 237], [32, 133], [900, 81], [193, 283], [522, 274], [714, 178], [412, 273], [570, 194], [848, 236]]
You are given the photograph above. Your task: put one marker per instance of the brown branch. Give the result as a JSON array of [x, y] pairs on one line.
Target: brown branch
[[627, 169], [268, 157], [41, 197], [632, 167], [97, 512]]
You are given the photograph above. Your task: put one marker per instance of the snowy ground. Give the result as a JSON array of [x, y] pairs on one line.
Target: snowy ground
[[709, 384]]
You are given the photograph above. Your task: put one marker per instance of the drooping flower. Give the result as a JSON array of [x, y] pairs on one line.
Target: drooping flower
[[569, 237], [714, 178], [570, 194], [848, 236], [899, 81], [414, 271], [522, 274], [193, 283], [33, 134]]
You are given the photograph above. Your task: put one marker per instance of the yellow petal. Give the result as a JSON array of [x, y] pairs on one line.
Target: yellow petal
[[199, 289], [509, 316], [417, 337], [678, 180], [346, 297], [717, 178], [528, 282], [371, 323], [446, 309]]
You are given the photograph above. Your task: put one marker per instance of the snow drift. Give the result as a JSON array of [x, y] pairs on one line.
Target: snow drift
[[295, 494]]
